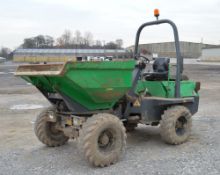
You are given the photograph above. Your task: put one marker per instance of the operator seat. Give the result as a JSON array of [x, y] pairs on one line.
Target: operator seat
[[160, 70]]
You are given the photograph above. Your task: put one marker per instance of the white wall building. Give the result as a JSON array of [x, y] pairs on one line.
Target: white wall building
[[211, 54], [2, 59]]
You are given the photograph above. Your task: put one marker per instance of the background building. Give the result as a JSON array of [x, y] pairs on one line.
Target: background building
[[62, 55], [2, 59], [167, 49], [211, 54]]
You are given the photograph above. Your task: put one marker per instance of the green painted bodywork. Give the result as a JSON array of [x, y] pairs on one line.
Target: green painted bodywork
[[166, 89], [99, 85], [94, 85]]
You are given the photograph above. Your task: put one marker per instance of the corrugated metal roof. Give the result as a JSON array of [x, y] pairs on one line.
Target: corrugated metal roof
[[66, 51]]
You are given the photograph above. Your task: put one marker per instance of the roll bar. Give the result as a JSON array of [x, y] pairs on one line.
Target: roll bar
[[179, 68]]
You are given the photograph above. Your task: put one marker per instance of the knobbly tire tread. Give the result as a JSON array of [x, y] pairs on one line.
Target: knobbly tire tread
[[43, 132], [168, 122], [90, 132]]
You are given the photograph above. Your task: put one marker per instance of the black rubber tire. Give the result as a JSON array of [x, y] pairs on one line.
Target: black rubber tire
[[44, 133], [168, 131], [90, 134]]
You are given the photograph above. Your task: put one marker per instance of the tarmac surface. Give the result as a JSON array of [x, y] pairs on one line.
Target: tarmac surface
[[22, 154]]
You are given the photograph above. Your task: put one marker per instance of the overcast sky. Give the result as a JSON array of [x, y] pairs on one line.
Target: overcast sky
[[197, 20]]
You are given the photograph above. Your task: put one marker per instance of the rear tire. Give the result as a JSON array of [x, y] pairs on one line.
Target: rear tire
[[46, 131], [175, 125], [102, 139]]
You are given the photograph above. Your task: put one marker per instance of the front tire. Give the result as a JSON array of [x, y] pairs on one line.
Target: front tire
[[46, 131], [175, 125], [102, 139]]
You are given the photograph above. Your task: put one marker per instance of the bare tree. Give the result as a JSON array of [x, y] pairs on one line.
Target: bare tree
[[49, 41], [67, 37], [65, 40], [39, 41], [88, 39], [60, 42], [29, 43], [78, 37], [5, 52], [111, 45], [98, 44], [119, 43]]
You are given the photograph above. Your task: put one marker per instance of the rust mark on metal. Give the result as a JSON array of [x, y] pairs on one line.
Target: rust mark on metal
[[108, 95], [40, 69], [110, 82]]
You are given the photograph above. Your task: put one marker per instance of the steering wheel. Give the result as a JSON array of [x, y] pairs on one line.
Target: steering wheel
[[145, 59]]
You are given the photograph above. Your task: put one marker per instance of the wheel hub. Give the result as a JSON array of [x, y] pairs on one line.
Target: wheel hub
[[104, 140], [180, 125], [53, 128]]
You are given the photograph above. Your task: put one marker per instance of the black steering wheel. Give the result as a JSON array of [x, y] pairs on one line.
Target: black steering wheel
[[145, 59]]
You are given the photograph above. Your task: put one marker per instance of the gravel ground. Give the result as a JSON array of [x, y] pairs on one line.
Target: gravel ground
[[21, 153]]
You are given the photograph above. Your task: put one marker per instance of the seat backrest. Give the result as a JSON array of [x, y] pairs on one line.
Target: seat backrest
[[161, 65]]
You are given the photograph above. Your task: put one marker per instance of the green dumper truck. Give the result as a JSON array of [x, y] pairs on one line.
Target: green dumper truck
[[95, 102]]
